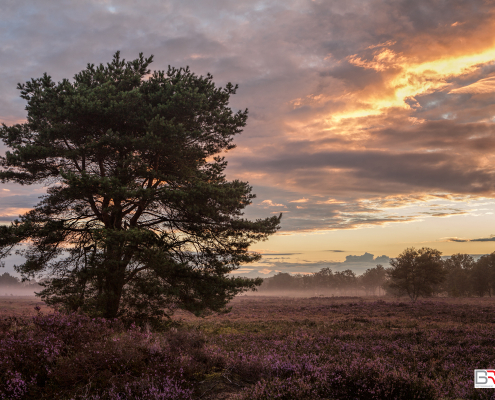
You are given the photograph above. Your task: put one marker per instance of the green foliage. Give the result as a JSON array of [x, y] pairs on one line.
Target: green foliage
[[139, 217], [459, 268], [483, 275], [373, 279], [416, 272]]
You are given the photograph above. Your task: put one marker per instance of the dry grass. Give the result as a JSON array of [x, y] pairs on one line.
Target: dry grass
[[20, 305]]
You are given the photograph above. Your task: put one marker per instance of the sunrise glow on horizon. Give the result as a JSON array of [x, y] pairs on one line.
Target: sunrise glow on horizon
[[371, 123]]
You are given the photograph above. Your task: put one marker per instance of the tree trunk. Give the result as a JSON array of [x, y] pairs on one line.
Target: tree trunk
[[114, 283], [113, 293]]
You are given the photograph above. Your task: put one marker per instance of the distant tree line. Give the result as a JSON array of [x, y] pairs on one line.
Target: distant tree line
[[7, 280], [415, 273], [326, 281]]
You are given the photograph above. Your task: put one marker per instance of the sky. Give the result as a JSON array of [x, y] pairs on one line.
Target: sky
[[371, 122]]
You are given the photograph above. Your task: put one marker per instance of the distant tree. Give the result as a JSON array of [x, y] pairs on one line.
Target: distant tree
[[345, 281], [139, 215], [416, 272], [8, 280], [299, 281], [308, 282], [373, 279], [281, 281], [324, 279], [482, 275], [458, 269]]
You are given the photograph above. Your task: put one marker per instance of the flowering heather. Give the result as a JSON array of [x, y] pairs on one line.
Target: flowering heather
[[266, 348], [73, 356]]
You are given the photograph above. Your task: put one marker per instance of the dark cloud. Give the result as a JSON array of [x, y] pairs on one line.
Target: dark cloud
[[383, 172], [366, 257], [18, 201], [490, 239], [459, 240], [382, 259], [322, 81]]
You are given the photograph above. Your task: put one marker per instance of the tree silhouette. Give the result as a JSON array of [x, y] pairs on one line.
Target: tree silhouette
[[8, 280], [416, 272], [458, 269], [139, 215], [483, 275], [373, 279]]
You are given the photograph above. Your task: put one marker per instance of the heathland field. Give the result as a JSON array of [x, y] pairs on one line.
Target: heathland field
[[265, 348]]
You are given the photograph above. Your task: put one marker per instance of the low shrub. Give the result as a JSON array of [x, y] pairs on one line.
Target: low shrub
[[73, 356], [354, 351]]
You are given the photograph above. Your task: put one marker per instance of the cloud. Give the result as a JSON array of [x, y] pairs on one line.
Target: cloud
[[13, 206], [270, 203], [304, 200], [489, 239], [265, 271], [18, 201], [366, 258], [243, 270], [486, 85], [352, 213], [459, 240], [359, 112], [375, 171]]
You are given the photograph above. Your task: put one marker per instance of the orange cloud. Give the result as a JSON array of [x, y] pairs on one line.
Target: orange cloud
[[486, 85], [265, 271], [270, 203]]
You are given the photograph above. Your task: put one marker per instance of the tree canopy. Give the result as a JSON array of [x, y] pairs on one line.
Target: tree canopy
[[460, 276], [416, 272], [139, 217], [374, 278], [483, 275]]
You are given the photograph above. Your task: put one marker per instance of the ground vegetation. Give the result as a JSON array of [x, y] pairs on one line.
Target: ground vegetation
[[266, 348]]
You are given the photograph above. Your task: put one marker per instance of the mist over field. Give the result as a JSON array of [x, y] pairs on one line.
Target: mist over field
[[271, 265], [152, 151], [18, 291]]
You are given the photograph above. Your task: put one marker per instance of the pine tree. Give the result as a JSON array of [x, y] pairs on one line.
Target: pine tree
[[139, 217]]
